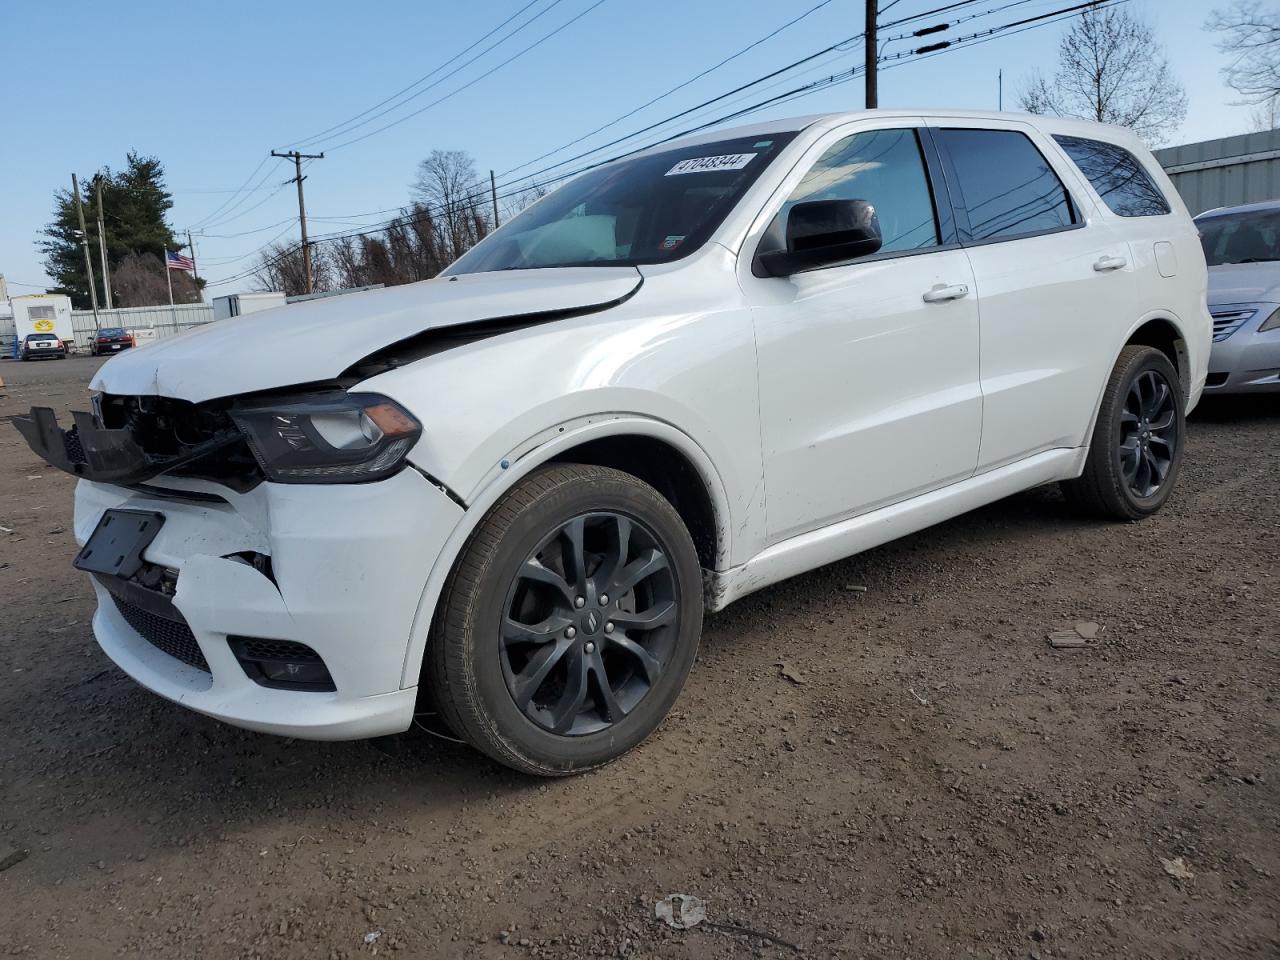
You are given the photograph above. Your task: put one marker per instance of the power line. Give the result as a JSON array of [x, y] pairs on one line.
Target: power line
[[245, 233], [684, 113], [769, 36], [662, 96], [787, 96], [222, 214], [469, 83], [336, 127], [235, 193]]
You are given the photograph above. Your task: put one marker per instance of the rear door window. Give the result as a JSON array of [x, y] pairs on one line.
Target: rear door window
[[1004, 184], [1121, 182]]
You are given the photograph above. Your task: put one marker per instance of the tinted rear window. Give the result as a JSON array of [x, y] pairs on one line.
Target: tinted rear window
[[1004, 184], [1116, 174]]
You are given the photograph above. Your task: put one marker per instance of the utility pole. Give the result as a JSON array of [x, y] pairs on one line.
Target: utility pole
[[297, 159], [84, 243], [493, 192], [1000, 89], [873, 94], [195, 274], [102, 247]]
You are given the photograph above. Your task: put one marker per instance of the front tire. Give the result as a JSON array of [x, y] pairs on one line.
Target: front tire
[[570, 623], [1136, 449]]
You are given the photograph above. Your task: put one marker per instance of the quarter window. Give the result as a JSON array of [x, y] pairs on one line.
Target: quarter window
[[1006, 186], [1121, 182], [883, 167]]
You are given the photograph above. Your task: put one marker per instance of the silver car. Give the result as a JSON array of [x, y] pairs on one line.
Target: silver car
[[1242, 248]]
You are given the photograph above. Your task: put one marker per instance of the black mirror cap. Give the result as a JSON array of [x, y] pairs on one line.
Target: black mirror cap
[[820, 232]]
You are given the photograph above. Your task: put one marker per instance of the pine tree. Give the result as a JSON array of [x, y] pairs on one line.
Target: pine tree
[[136, 205]]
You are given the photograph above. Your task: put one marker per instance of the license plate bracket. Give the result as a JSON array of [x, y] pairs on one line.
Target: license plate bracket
[[117, 543]]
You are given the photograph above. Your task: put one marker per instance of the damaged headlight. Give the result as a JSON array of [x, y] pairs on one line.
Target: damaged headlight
[[329, 438]]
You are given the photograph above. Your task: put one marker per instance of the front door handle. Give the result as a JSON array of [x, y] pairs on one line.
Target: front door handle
[[1105, 264], [941, 291]]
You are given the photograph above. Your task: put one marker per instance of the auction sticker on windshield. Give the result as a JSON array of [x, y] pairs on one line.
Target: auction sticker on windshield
[[728, 161]]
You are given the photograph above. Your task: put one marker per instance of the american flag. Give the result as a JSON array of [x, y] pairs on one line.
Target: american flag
[[179, 261]]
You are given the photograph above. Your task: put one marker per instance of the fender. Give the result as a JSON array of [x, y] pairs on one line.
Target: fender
[[521, 461], [1192, 388]]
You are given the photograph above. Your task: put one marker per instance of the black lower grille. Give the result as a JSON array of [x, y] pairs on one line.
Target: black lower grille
[[281, 664], [1216, 379], [173, 637], [258, 648]]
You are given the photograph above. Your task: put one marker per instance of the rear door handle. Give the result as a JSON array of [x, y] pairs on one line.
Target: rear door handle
[[1104, 264], [941, 291]]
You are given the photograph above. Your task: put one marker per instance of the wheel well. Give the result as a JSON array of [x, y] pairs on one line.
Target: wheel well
[[665, 469], [1164, 336]]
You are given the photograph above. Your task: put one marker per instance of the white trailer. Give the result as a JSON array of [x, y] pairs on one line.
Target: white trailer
[[236, 304], [42, 313]]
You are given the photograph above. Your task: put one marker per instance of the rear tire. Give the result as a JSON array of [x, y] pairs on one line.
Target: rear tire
[[570, 623], [1136, 449]]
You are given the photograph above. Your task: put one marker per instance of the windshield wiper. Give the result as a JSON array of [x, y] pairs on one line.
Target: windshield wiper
[[1257, 260]]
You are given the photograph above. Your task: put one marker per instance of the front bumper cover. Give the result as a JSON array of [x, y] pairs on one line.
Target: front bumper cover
[[348, 566]]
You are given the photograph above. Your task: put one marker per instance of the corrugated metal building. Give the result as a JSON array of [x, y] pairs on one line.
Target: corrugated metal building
[[1226, 172]]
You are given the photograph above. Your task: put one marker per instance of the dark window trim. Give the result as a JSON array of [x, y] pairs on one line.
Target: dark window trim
[[939, 200], [936, 174], [1142, 167], [957, 194]]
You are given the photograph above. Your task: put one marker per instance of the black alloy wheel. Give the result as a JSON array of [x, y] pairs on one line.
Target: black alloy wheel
[[1148, 433], [570, 622], [590, 623], [1135, 451]]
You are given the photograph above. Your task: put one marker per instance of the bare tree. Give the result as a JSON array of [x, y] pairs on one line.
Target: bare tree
[[1251, 38], [138, 280], [412, 248], [448, 184], [280, 267], [1111, 69], [514, 203], [1266, 115]]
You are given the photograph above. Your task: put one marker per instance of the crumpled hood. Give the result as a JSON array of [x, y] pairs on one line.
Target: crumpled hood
[[319, 339], [1244, 283]]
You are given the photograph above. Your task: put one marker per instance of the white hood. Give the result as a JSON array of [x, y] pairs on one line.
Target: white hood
[[318, 339], [1244, 283]]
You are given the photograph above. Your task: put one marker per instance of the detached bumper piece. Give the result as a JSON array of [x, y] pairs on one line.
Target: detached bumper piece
[[105, 455]]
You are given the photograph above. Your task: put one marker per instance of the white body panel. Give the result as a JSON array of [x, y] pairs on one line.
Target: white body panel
[[824, 413]]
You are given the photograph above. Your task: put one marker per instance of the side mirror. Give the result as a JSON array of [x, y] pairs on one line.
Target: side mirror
[[825, 231]]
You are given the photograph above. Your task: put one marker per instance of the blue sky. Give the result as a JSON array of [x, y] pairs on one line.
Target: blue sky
[[211, 88]]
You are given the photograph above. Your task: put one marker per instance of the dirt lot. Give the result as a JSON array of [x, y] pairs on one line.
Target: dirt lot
[[942, 782]]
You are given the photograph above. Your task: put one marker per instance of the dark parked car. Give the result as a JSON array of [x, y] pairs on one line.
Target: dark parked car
[[110, 340], [37, 346]]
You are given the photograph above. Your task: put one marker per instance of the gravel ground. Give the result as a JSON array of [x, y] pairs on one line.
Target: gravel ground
[[932, 780]]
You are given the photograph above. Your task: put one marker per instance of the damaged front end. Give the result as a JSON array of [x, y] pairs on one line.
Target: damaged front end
[[131, 440], [321, 435]]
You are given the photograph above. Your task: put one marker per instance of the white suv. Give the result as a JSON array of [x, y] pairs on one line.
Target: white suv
[[510, 493]]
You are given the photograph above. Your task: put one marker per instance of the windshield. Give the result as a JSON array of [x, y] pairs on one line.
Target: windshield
[[111, 332], [1252, 237], [651, 209]]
